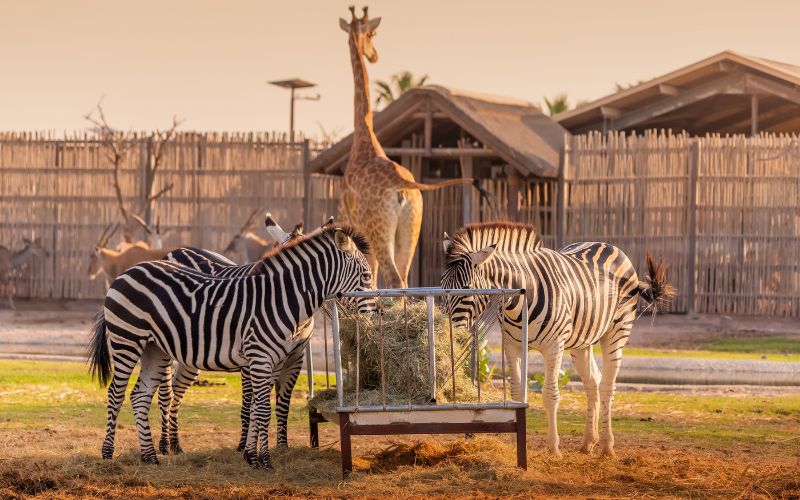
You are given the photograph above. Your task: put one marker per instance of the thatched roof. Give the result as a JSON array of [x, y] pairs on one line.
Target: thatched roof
[[515, 130], [714, 95]]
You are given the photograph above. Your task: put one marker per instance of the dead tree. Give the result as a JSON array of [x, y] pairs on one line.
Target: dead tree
[[118, 145]]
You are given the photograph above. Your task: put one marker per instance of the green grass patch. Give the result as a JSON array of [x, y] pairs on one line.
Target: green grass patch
[[765, 345], [712, 354]]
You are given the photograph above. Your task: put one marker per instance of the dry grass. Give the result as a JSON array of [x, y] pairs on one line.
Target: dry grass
[[482, 466]]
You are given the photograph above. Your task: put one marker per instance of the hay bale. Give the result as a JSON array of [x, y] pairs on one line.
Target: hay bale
[[405, 349]]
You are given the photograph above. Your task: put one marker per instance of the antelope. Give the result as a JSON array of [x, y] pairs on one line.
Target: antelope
[[112, 262], [249, 246], [11, 260]]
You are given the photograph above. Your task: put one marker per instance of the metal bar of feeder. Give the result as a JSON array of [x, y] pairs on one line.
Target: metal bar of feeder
[[325, 344], [310, 370], [408, 346], [452, 355], [383, 369], [358, 355], [337, 355], [476, 374], [426, 407], [502, 351], [431, 347], [431, 291], [524, 345]]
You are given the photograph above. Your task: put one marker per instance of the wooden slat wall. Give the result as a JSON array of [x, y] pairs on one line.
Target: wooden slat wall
[[61, 189], [635, 192]]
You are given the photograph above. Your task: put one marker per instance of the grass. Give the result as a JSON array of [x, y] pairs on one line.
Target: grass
[[53, 420], [715, 352], [763, 345]]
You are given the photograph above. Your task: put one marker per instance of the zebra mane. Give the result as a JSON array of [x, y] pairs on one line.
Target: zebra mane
[[507, 236], [359, 240]]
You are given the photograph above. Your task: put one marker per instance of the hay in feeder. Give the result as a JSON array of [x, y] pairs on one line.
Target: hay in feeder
[[401, 333]]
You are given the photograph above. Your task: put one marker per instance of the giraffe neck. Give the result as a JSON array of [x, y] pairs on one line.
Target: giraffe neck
[[365, 143]]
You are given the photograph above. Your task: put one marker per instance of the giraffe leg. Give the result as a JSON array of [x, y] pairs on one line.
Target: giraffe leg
[[183, 378], [153, 367], [407, 233], [551, 395], [123, 366], [611, 345], [244, 414], [583, 359]]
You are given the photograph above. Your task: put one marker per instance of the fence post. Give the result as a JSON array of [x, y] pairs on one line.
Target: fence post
[[307, 194], [692, 229], [561, 195]]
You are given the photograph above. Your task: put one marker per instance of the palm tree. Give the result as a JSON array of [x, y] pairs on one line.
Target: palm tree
[[398, 84], [559, 104]]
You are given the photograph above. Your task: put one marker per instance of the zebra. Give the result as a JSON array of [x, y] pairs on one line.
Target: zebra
[[173, 388], [159, 311], [582, 295]]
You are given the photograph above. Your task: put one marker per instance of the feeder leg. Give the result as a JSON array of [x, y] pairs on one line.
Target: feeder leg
[[344, 439], [522, 446], [313, 427]]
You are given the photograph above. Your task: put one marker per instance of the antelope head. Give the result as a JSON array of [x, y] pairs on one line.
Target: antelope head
[[155, 236], [95, 261]]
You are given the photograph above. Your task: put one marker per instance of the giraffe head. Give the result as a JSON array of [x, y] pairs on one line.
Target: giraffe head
[[363, 29]]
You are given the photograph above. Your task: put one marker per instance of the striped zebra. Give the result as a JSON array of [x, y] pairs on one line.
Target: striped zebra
[[173, 388], [580, 296], [159, 311]]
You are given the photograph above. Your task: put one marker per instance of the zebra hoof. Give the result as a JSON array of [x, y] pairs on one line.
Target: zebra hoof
[[264, 462], [107, 453], [163, 447], [240, 448], [150, 459], [176, 449], [250, 458]]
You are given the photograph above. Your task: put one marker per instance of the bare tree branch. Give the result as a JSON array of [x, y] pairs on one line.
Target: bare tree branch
[[166, 189]]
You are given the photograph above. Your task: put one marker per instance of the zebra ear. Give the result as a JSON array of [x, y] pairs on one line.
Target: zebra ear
[[446, 242], [483, 255], [344, 242]]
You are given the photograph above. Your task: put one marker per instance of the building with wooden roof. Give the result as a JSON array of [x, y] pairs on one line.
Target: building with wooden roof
[[727, 93], [438, 130]]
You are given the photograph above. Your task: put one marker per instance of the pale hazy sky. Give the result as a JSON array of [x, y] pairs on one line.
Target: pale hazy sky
[[208, 61]]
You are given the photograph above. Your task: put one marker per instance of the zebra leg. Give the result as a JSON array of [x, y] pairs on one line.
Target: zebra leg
[[583, 359], [611, 346], [244, 415], [154, 365], [183, 379], [256, 450], [283, 393], [513, 353], [164, 402], [123, 366], [551, 395]]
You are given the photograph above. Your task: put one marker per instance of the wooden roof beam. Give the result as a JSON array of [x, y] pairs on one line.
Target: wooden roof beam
[[670, 90], [730, 84], [740, 118], [760, 85], [610, 112]]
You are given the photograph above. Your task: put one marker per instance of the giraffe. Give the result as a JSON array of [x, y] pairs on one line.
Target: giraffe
[[380, 199]]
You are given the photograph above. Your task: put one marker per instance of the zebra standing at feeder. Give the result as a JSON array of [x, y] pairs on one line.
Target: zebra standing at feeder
[[173, 388], [582, 295], [217, 324]]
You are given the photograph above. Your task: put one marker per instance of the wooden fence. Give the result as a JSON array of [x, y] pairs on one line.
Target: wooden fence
[[723, 211], [61, 190]]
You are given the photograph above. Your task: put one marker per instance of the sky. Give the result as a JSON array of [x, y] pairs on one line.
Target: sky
[[208, 61]]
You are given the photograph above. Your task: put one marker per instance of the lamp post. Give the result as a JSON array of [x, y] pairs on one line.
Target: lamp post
[[295, 83]]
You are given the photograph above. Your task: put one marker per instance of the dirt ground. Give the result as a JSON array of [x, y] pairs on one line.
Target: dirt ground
[[61, 328]]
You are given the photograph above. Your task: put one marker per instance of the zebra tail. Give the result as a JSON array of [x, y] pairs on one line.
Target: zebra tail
[[655, 289], [98, 354]]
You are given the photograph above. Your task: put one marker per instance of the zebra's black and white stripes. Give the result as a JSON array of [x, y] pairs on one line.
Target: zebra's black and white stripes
[[172, 391], [582, 295], [213, 323]]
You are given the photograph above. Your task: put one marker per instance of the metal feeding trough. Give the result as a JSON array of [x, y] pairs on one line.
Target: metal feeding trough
[[455, 417]]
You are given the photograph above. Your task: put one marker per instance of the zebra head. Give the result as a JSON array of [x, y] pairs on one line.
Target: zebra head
[[354, 271], [465, 269]]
